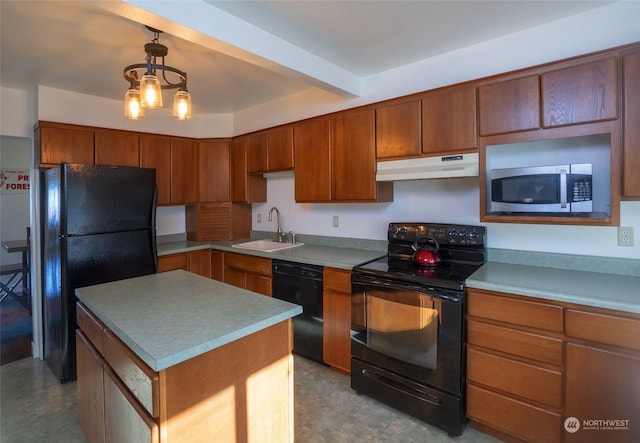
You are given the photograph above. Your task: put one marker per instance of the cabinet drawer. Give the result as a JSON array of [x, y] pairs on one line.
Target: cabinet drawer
[[172, 262], [248, 263], [337, 279], [601, 328], [510, 341], [92, 327], [513, 417], [141, 380], [527, 381], [515, 311]]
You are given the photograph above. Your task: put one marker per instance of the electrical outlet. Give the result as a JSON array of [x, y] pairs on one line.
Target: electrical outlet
[[259, 218], [625, 236], [336, 221]]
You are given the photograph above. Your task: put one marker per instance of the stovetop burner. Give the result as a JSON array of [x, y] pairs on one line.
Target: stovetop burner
[[462, 250]]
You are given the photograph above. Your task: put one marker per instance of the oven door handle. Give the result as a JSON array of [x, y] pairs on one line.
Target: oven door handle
[[406, 286], [405, 389]]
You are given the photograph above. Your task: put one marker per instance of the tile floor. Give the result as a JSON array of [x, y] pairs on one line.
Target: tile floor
[[35, 408]]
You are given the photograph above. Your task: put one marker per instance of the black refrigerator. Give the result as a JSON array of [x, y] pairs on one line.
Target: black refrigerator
[[99, 226]]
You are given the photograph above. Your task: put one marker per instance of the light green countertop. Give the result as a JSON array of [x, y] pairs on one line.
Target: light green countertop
[[170, 317], [602, 290], [312, 254]]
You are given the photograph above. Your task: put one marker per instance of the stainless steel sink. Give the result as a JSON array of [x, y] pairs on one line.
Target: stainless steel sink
[[266, 245]]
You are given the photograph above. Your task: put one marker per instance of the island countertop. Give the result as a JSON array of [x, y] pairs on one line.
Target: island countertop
[[170, 317]]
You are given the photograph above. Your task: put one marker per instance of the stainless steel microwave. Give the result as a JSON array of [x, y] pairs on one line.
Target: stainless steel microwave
[[546, 189]]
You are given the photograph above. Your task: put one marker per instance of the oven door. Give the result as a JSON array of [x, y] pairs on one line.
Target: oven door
[[414, 331]]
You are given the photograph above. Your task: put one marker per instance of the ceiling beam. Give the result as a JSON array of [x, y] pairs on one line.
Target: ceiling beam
[[204, 24]]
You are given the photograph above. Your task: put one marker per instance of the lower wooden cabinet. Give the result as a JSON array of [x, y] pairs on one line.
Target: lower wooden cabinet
[[515, 366], [198, 262], [336, 325], [540, 371], [249, 272]]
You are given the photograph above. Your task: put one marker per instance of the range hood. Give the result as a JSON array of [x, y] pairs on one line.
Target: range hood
[[448, 166]]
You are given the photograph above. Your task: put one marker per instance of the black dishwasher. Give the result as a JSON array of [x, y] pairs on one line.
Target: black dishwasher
[[302, 284]]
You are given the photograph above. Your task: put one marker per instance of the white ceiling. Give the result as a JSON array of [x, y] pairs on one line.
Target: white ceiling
[[239, 54]]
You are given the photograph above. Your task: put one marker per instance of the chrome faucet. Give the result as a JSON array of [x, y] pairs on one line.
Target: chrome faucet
[[279, 235]]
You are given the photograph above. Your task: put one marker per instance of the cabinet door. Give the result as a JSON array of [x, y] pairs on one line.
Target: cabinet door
[[631, 125], [449, 121], [213, 171], [90, 389], [155, 152], [509, 106], [311, 142], [398, 130], [172, 262], [602, 385], [117, 148], [184, 171], [217, 265], [580, 94], [245, 188], [257, 151], [280, 152], [353, 160], [125, 419], [336, 325], [71, 145], [200, 262]]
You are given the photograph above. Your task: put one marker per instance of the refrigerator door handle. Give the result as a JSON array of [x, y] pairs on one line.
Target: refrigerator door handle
[[153, 225]]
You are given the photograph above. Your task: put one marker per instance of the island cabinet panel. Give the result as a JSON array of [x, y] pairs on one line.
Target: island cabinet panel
[[155, 152], [240, 392], [449, 120], [248, 272], [515, 365], [336, 325], [509, 105], [584, 93], [124, 419], [398, 130], [312, 151], [631, 125], [90, 389], [117, 148], [56, 143]]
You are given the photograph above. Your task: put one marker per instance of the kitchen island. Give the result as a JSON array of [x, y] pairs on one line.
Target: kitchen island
[[179, 357]]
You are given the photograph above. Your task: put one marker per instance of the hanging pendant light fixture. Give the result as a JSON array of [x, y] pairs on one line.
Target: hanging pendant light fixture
[[146, 91]]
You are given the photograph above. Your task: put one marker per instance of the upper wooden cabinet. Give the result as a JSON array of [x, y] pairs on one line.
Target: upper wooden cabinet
[[449, 121], [270, 151], [155, 152], [312, 145], [335, 159], [398, 130], [509, 105], [213, 171], [63, 143], [184, 171], [244, 188], [117, 148], [631, 125], [583, 93]]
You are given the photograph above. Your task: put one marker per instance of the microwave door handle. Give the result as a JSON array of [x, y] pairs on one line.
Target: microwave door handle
[[563, 188]]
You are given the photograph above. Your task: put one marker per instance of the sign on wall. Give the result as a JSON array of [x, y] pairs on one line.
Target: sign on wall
[[14, 181]]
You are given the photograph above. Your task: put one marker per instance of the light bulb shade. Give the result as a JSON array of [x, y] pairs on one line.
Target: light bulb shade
[[182, 105], [132, 107], [150, 92]]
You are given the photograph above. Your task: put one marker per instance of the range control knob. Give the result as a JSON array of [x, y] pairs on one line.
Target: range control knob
[[453, 233], [462, 234], [394, 230], [473, 235]]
